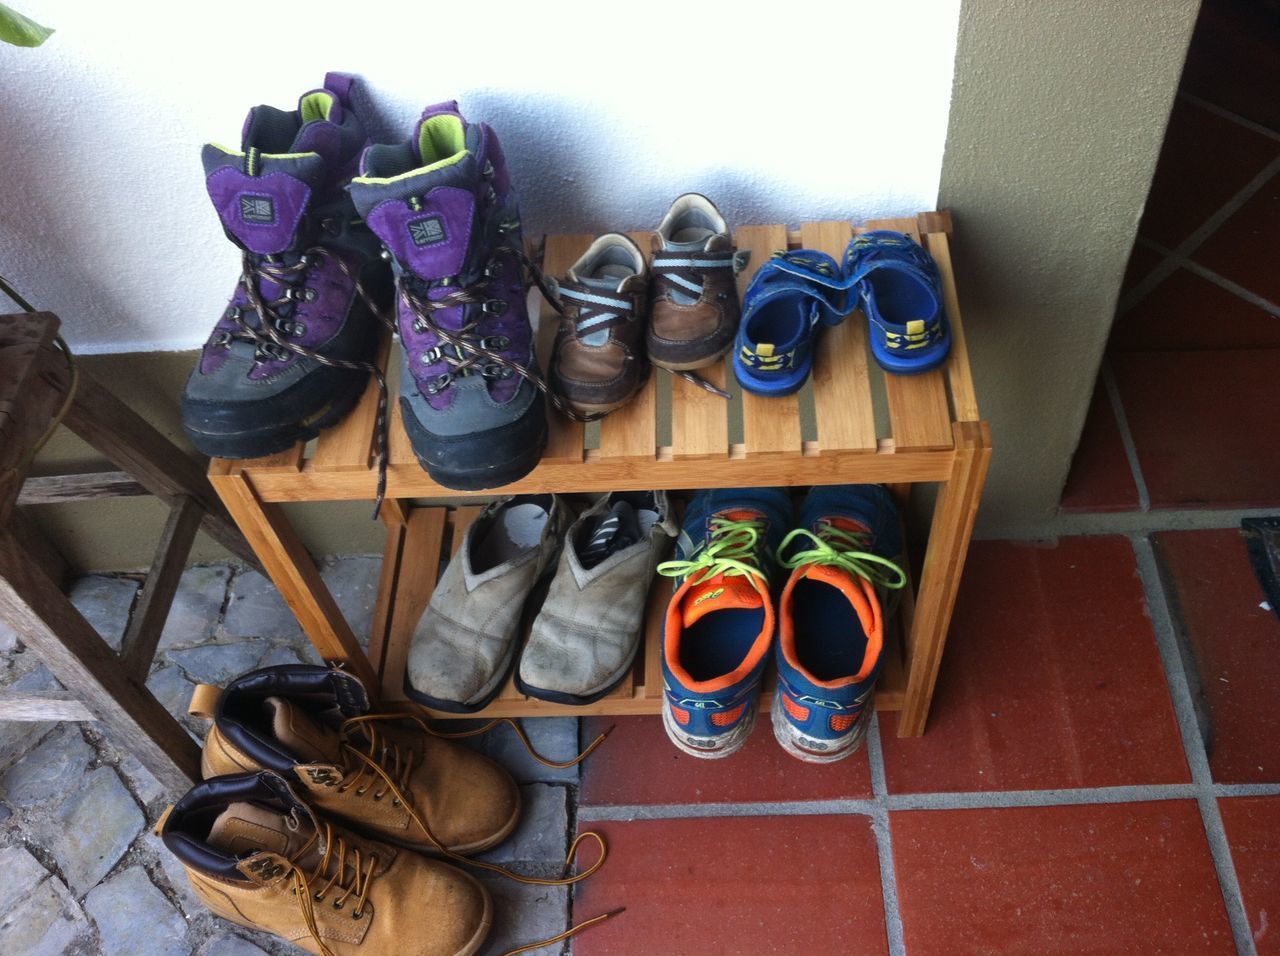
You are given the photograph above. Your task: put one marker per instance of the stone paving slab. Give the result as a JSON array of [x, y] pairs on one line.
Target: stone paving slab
[[197, 605], [37, 913], [48, 772], [133, 917], [92, 829], [105, 603]]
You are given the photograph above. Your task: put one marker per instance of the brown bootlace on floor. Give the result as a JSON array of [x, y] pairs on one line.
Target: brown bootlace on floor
[[380, 751], [270, 323], [362, 879]]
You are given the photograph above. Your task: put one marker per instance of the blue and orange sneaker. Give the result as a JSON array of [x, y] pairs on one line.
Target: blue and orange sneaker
[[720, 622], [900, 290], [831, 619], [790, 298]]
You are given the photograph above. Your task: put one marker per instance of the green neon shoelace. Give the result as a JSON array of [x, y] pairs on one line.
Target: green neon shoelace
[[730, 551], [843, 549]]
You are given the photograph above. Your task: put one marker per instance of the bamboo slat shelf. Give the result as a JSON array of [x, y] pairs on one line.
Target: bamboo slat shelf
[[930, 431]]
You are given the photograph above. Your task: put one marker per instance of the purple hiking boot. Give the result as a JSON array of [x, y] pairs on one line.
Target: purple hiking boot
[[291, 354], [445, 210]]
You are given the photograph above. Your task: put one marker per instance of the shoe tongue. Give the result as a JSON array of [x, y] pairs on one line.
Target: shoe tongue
[[719, 593], [425, 218], [612, 533], [243, 829], [309, 741], [261, 197]]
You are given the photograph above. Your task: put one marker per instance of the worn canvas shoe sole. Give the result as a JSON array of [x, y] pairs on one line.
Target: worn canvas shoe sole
[[259, 442], [811, 750], [710, 748], [590, 696]]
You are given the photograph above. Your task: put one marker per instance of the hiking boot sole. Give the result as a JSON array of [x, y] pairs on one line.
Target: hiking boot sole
[[467, 463]]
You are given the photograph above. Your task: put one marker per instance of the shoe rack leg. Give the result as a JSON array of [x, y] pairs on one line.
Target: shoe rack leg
[[294, 574], [952, 527], [77, 655]]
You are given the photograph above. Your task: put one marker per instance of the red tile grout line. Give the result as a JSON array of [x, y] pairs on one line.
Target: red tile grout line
[[1197, 238], [1126, 434], [1226, 114], [1222, 282]]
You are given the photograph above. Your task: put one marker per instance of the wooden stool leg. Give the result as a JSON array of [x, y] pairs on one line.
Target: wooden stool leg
[[953, 517], [79, 657], [295, 575], [395, 515]]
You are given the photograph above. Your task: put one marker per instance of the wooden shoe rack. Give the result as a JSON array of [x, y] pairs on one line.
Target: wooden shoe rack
[[850, 424]]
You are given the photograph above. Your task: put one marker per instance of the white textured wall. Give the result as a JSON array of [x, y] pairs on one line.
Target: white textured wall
[[606, 110]]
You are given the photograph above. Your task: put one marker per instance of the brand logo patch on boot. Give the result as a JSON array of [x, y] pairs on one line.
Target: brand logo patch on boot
[[427, 231], [258, 209]]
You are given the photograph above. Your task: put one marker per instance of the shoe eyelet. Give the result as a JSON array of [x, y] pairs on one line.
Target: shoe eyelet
[[362, 791], [395, 801], [494, 306], [318, 897], [337, 906], [377, 797], [494, 342], [493, 270], [233, 313], [357, 914], [221, 339], [439, 384]]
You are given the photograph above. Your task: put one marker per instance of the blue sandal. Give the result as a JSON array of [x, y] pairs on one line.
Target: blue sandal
[[788, 299], [901, 293]]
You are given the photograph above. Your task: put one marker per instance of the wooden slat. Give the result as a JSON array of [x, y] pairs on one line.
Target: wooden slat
[[630, 433], [918, 410], [564, 436], [395, 515], [401, 450], [770, 426], [963, 398], [138, 646], [58, 489], [419, 566], [42, 705], [348, 445], [659, 596], [282, 462], [841, 383]]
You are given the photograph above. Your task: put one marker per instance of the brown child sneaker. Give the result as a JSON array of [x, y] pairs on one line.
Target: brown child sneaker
[[258, 856], [598, 362], [694, 308], [312, 725]]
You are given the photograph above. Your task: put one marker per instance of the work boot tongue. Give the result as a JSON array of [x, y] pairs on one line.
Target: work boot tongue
[[308, 740], [719, 593], [424, 218], [244, 828], [260, 197]]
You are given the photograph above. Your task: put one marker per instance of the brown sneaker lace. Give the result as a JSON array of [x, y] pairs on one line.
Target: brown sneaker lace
[[303, 886], [269, 341], [384, 762]]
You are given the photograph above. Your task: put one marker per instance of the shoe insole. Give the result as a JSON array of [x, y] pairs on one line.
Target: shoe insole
[[830, 642], [777, 323], [899, 297], [513, 530], [716, 644]]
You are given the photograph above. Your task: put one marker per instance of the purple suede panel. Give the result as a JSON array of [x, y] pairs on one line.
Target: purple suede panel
[[323, 137], [235, 196], [431, 242], [341, 86]]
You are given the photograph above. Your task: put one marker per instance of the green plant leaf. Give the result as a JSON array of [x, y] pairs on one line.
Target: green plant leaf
[[20, 30]]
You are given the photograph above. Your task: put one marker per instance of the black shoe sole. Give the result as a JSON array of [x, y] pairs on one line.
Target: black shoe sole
[[259, 442], [467, 462], [574, 700]]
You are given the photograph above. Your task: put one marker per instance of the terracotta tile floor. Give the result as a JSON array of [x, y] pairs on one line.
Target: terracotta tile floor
[[1195, 347]]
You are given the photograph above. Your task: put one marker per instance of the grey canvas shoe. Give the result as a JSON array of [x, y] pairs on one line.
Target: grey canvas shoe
[[585, 637], [464, 646]]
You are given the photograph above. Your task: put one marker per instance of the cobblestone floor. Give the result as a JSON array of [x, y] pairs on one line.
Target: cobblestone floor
[[84, 873]]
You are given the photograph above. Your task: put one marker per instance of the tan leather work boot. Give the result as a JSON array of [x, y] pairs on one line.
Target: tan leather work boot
[[258, 856], [694, 307], [312, 725]]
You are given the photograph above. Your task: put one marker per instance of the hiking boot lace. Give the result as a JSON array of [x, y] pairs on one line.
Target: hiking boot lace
[[731, 550], [391, 769], [832, 545], [344, 857], [272, 335]]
